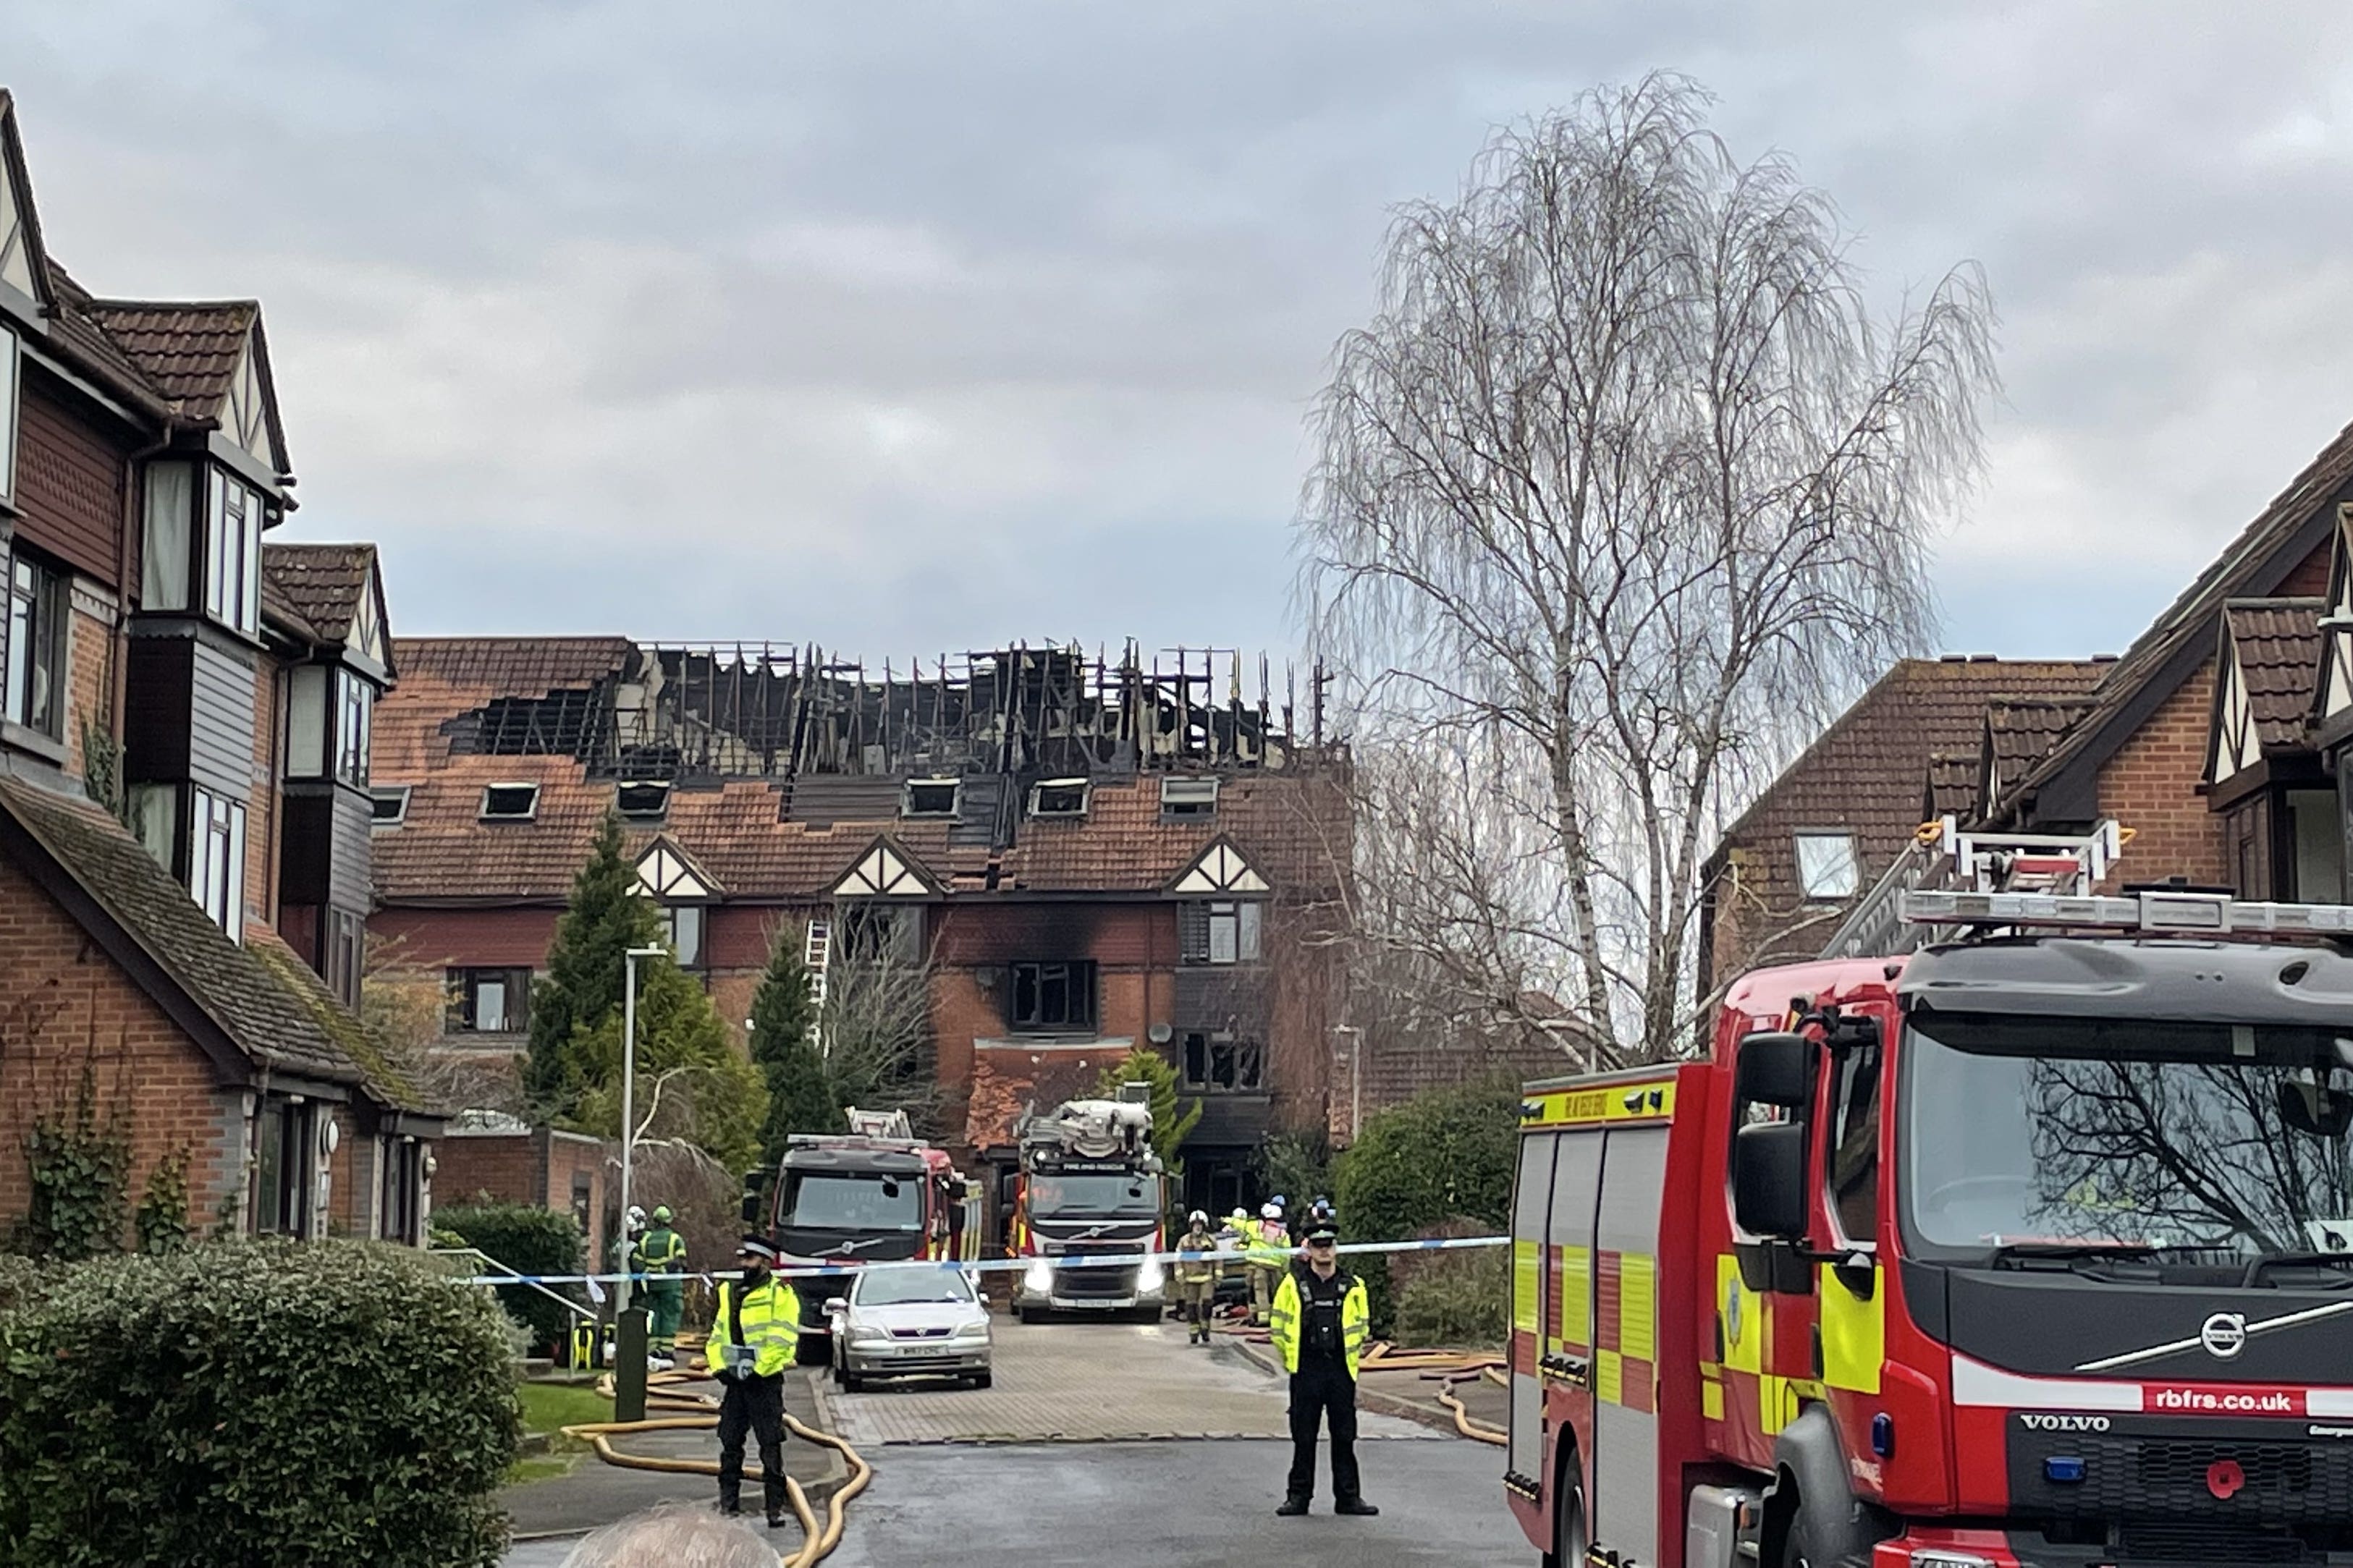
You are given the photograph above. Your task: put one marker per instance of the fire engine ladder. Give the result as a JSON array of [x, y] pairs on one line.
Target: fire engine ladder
[[1945, 862]]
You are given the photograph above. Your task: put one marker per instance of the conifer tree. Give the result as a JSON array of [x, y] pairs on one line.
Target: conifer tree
[[784, 1045], [606, 917]]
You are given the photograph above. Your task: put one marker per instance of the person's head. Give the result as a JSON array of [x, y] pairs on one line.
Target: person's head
[[1323, 1247], [661, 1215], [756, 1257], [1241, 1215], [1198, 1220], [1268, 1211], [674, 1535]]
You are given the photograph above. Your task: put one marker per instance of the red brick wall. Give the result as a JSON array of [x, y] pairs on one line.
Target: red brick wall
[[62, 1002], [89, 638], [438, 939], [568, 1157], [736, 936], [504, 1165], [2150, 785]]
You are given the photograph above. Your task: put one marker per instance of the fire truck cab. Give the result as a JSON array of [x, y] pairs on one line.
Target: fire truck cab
[[2031, 1248]]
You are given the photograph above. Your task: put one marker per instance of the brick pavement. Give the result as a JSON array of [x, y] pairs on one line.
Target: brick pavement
[[1086, 1383]]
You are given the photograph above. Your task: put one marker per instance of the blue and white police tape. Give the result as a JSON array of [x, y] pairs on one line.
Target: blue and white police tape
[[800, 1270]]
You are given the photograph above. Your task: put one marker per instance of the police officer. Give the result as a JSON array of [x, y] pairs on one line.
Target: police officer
[[660, 1254], [1321, 1316], [753, 1341], [1197, 1278]]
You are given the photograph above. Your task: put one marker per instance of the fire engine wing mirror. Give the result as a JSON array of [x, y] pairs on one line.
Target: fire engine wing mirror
[[1768, 1179], [1775, 1069], [755, 1187]]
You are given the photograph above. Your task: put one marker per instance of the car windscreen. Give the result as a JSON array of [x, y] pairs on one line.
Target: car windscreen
[[2207, 1140], [897, 1287], [830, 1202], [1094, 1196]]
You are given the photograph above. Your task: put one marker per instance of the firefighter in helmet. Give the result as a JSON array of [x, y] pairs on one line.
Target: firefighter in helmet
[[1322, 1318], [1197, 1278], [1270, 1256]]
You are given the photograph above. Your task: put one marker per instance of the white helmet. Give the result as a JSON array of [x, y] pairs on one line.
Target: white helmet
[[1270, 1212], [1197, 1217], [637, 1217]]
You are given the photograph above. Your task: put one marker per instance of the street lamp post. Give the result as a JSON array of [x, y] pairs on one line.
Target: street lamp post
[[630, 1097]]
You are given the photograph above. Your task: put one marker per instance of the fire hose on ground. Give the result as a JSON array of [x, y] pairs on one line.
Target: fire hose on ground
[[661, 1391], [1446, 1368]]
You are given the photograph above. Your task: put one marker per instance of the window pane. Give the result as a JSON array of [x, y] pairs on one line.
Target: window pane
[[157, 810], [1251, 914], [21, 592], [490, 1004], [306, 723], [2319, 850], [1224, 937], [233, 876], [216, 542], [686, 934], [248, 578], [1853, 1155], [164, 555], [1826, 865]]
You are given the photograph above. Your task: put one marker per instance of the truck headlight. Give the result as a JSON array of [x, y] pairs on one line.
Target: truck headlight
[[1150, 1277], [1039, 1277]]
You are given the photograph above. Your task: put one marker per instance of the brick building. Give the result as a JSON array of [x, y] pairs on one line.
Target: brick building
[[490, 1154], [184, 728], [1084, 855], [2215, 738]]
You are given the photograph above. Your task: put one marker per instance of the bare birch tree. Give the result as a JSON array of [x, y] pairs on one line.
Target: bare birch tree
[[1623, 490]]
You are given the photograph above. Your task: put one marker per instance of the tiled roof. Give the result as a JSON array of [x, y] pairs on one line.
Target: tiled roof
[[1864, 773], [1291, 827], [1953, 781], [187, 350], [2228, 576], [237, 988], [78, 329], [321, 584], [2278, 644], [2021, 730]]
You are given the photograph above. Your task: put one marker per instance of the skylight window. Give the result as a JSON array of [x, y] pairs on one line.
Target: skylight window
[[932, 797], [1182, 797], [1827, 867], [1058, 797], [510, 801], [641, 802], [391, 805]]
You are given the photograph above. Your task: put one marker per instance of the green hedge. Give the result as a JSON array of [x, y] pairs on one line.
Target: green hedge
[[255, 1404], [530, 1241], [1462, 1301], [1439, 1156]]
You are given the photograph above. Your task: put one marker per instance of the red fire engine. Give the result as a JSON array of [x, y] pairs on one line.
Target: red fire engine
[[2032, 1245]]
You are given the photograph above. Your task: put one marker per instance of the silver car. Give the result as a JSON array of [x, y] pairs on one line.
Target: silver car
[[908, 1323]]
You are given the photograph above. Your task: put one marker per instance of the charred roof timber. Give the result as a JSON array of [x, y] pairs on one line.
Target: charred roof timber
[[763, 710]]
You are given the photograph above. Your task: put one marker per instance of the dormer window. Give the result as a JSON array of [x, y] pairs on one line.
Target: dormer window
[[641, 802], [510, 801], [931, 797], [1058, 797], [389, 806], [204, 557], [1186, 798]]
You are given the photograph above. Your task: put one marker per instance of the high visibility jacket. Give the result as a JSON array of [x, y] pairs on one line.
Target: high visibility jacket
[[661, 1251], [1270, 1246], [772, 1329], [1355, 1319]]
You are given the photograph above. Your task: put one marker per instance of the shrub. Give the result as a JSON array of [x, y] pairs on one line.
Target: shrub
[[1442, 1155], [19, 1277], [1458, 1300], [528, 1240], [255, 1403]]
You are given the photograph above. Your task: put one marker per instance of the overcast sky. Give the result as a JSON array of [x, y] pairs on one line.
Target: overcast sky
[[910, 327]]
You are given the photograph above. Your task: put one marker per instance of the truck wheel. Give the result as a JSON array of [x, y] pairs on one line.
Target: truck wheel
[[1568, 1540], [1827, 1526]]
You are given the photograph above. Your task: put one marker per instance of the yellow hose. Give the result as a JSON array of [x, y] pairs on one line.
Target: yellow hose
[[819, 1543]]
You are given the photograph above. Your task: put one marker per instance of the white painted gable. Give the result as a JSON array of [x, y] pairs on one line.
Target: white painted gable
[[883, 873], [1221, 869], [244, 412], [663, 873]]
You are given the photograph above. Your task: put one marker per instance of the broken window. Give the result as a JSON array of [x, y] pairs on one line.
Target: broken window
[[931, 797], [873, 934], [641, 800], [1052, 998], [391, 806], [1058, 797], [1183, 797], [1220, 1062], [510, 801], [488, 1002]]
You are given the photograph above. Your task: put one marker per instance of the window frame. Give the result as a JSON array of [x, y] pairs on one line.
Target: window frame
[[400, 1189], [216, 840], [530, 814], [1244, 1064], [641, 812], [1061, 789], [379, 794], [12, 390], [955, 807], [43, 649], [1188, 798], [231, 556], [462, 984], [353, 704], [673, 917], [1853, 1067], [1076, 978], [1799, 840], [284, 1130]]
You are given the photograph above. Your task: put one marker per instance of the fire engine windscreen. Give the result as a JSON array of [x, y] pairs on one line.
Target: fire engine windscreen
[[2202, 1141], [1093, 1197], [827, 1202]]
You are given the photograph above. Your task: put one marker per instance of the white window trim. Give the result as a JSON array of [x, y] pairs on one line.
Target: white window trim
[[390, 791], [1798, 840], [483, 813]]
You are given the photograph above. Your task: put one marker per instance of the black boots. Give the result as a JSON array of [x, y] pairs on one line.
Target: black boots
[[1356, 1506], [1292, 1507]]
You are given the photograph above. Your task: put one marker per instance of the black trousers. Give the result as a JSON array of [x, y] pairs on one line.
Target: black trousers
[[1320, 1391], [753, 1405]]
